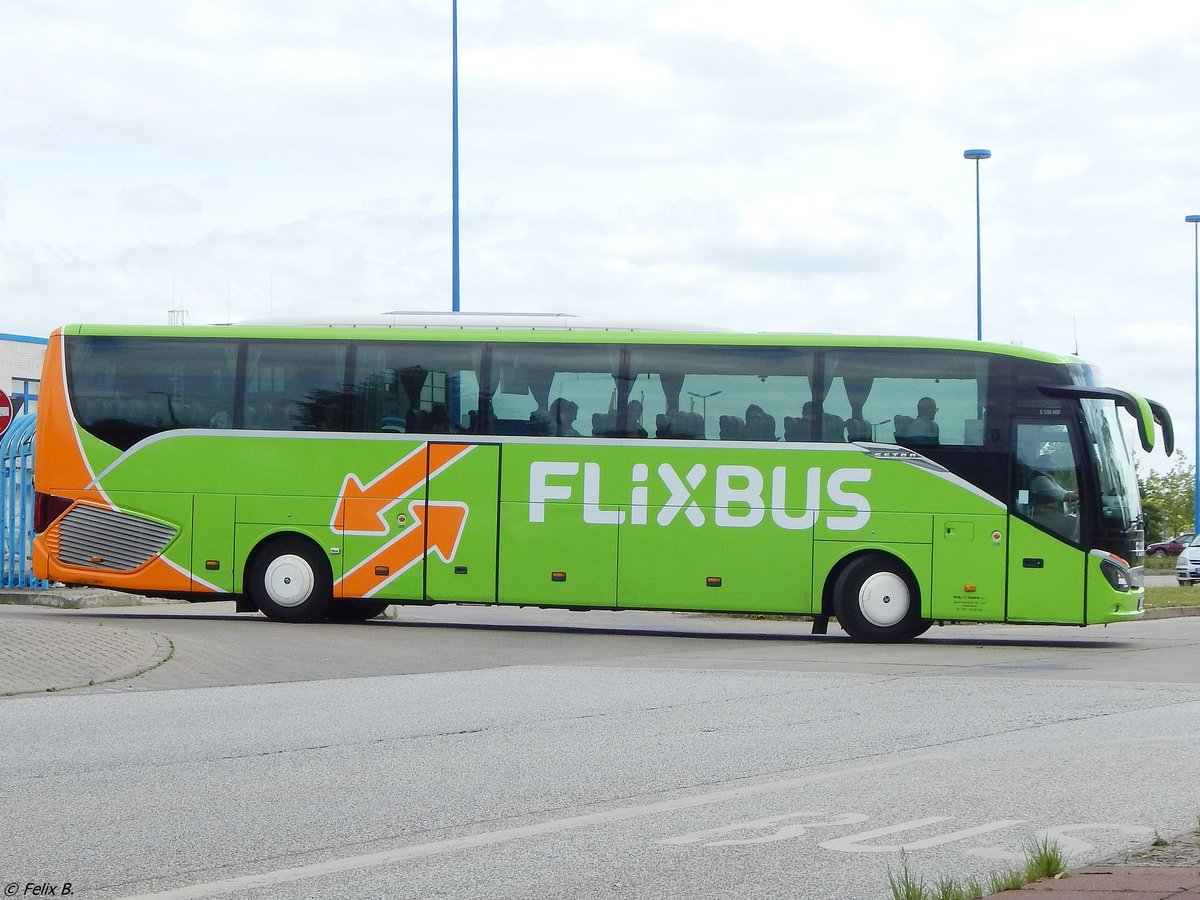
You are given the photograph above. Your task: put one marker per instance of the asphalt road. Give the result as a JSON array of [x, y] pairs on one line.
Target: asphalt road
[[488, 753]]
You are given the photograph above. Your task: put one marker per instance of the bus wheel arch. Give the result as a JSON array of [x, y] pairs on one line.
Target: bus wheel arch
[[875, 597], [288, 577]]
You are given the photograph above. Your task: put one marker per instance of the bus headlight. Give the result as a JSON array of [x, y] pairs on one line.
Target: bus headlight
[[1117, 574]]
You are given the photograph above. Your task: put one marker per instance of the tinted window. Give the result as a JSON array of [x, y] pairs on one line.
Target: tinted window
[[126, 389], [295, 386], [917, 398], [558, 391], [419, 387], [720, 393]]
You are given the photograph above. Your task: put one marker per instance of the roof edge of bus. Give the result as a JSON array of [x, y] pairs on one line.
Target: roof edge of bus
[[523, 321], [509, 326]]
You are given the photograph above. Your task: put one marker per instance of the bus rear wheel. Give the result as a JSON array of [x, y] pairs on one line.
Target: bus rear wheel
[[290, 581], [875, 598]]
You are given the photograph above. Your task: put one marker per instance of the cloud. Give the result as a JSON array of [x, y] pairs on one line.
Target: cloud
[[759, 165], [159, 200]]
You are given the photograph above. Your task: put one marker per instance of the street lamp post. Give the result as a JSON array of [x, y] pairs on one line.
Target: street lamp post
[[1195, 220], [977, 155], [454, 286]]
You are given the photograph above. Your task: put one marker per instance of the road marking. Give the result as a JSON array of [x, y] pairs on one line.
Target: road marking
[[488, 838], [785, 828], [1073, 845], [856, 843]]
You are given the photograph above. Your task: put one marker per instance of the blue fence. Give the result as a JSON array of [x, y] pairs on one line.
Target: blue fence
[[16, 505]]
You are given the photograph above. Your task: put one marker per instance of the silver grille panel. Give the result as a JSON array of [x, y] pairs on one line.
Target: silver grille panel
[[97, 538]]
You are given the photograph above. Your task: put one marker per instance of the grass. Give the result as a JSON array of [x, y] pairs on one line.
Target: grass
[[1168, 597], [1043, 859], [1160, 597], [1164, 566]]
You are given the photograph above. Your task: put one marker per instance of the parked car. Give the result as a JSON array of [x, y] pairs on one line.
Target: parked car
[[1187, 567], [1173, 547]]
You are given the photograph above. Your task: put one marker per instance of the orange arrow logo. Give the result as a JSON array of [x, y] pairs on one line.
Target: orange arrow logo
[[360, 508], [438, 528]]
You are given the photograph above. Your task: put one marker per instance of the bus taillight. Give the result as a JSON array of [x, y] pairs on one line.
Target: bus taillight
[[47, 508]]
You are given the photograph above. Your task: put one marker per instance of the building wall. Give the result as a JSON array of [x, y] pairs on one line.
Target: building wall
[[21, 367]]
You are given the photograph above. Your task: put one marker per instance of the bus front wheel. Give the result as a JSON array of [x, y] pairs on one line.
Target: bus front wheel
[[290, 581], [875, 598]]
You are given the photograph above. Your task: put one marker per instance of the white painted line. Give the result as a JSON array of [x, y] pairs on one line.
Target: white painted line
[[488, 838]]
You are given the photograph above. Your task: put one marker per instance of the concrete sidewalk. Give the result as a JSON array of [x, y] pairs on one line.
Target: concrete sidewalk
[[47, 656]]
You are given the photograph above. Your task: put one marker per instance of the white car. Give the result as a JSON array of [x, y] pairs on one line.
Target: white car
[[1187, 566]]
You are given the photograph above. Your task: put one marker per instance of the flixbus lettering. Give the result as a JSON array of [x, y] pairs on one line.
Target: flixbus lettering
[[735, 496]]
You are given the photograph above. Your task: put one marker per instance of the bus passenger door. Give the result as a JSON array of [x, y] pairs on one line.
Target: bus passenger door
[[383, 544], [1046, 566]]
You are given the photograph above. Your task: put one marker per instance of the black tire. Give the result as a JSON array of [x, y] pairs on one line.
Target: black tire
[[1160, 554], [876, 598], [356, 610], [923, 625], [289, 580]]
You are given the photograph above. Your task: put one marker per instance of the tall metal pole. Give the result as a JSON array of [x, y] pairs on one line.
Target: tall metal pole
[[1195, 220], [455, 299], [978, 264], [977, 155]]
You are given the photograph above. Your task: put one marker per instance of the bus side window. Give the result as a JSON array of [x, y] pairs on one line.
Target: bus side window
[[555, 391], [416, 388]]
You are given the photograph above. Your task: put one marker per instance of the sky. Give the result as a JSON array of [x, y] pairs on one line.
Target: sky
[[758, 165]]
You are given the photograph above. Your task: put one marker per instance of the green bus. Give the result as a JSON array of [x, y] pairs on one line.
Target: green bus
[[325, 471]]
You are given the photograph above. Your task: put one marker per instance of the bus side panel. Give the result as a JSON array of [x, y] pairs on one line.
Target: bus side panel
[[969, 568], [756, 569], [460, 559], [141, 542], [718, 528], [212, 562], [558, 524], [1045, 576]]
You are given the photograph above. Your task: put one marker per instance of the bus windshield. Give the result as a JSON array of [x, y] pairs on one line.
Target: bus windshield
[[1112, 453]]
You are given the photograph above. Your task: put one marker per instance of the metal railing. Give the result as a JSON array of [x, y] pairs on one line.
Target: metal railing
[[16, 506]]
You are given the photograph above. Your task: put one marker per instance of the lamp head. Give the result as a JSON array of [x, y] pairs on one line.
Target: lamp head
[[1192, 219], [977, 154]]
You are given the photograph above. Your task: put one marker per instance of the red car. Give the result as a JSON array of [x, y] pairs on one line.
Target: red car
[[1173, 547]]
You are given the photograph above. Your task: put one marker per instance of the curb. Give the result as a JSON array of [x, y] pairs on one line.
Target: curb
[[78, 598], [1171, 612]]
